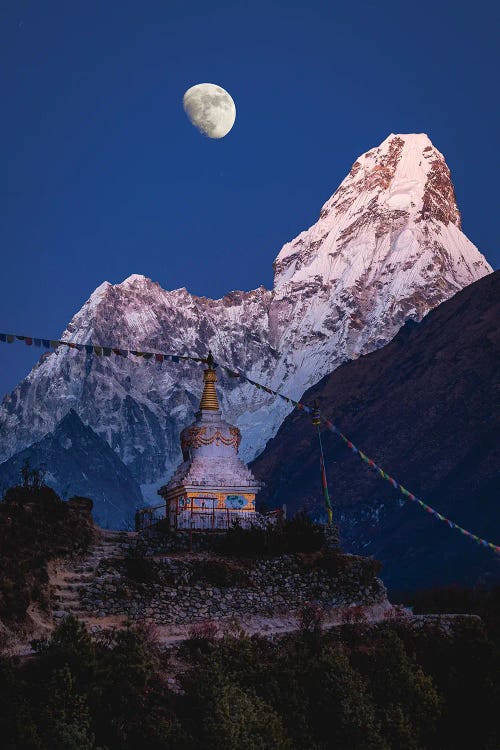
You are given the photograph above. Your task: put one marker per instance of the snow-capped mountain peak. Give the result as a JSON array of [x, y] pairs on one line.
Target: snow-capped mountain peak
[[387, 246], [388, 192]]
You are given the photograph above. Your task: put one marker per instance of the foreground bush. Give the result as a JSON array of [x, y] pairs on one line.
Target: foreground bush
[[383, 687]]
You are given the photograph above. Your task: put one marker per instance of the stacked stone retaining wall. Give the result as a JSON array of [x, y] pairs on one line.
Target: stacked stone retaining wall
[[187, 588]]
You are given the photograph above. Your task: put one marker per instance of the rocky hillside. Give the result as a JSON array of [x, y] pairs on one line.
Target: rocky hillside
[[387, 247], [425, 407], [36, 526]]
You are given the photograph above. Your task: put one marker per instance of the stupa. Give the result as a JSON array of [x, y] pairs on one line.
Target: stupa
[[212, 488]]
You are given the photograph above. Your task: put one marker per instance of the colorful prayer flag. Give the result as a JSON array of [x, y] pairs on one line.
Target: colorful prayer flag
[[325, 490]]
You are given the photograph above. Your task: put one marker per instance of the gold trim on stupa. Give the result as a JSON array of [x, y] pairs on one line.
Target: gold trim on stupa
[[209, 400]]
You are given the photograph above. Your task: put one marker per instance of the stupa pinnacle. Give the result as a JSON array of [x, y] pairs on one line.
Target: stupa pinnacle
[[209, 400]]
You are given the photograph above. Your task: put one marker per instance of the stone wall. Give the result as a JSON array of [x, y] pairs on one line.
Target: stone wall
[[187, 588]]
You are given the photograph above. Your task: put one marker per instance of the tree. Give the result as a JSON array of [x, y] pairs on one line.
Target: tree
[[65, 718], [229, 717], [408, 703]]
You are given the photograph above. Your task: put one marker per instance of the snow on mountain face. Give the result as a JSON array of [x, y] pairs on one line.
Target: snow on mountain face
[[386, 247]]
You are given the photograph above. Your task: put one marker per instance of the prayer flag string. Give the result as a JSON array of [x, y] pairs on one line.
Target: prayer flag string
[[98, 351], [371, 463], [160, 357]]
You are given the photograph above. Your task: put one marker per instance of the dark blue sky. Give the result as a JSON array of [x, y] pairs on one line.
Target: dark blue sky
[[103, 176]]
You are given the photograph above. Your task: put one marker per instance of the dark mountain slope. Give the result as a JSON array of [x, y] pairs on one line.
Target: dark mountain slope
[[79, 462], [425, 407]]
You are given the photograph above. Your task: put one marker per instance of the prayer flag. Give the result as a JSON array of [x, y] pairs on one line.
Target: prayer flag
[[325, 490]]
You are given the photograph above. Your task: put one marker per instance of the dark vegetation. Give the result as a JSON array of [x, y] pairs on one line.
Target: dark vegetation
[[481, 601], [356, 687], [36, 526], [299, 534], [335, 564], [138, 567], [141, 571], [384, 687]]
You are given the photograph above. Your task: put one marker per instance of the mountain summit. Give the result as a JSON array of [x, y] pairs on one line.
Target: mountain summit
[[387, 247], [404, 180]]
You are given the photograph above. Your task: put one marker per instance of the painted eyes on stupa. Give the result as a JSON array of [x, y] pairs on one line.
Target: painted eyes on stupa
[[235, 501]]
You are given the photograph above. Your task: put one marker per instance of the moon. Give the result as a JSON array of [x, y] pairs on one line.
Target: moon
[[210, 109]]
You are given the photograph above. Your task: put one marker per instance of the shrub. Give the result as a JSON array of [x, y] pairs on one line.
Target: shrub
[[354, 615], [300, 534], [226, 715], [311, 618], [138, 567], [202, 636], [220, 573], [408, 704]]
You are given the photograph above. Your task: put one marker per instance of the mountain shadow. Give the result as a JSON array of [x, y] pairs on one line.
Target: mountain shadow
[[425, 408], [79, 462]]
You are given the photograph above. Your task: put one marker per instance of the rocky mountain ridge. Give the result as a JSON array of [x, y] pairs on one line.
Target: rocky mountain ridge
[[387, 247]]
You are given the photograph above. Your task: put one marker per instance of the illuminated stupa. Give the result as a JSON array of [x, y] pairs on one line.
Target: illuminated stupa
[[212, 487]]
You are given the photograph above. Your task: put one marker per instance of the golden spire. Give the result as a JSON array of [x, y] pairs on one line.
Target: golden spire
[[209, 400]]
